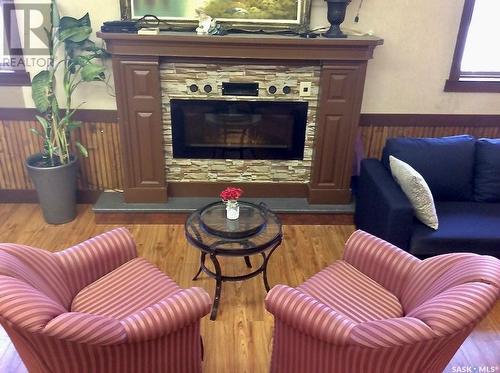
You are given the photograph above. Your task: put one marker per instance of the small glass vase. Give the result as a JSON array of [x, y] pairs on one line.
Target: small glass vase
[[232, 210]]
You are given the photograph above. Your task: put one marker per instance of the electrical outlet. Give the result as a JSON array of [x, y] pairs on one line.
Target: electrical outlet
[[305, 89]]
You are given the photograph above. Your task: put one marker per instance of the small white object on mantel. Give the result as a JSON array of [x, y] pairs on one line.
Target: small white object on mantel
[[204, 22], [148, 31]]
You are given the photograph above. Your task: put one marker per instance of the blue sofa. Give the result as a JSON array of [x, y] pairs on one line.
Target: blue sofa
[[463, 175]]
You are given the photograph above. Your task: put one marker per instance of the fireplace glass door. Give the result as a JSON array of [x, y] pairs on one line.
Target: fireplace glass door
[[223, 129]]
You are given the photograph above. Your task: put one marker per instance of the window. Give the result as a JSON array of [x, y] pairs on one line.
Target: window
[[476, 62], [10, 50]]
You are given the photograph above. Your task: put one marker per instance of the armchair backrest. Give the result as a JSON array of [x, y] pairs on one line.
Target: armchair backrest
[[38, 269], [32, 287], [89, 260]]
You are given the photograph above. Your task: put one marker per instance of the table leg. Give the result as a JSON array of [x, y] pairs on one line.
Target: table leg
[[266, 260], [218, 286], [247, 244], [248, 262], [202, 261]]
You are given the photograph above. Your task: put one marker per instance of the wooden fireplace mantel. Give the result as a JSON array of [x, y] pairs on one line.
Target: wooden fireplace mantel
[[136, 65]]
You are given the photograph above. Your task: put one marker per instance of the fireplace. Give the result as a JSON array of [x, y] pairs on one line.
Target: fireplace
[[229, 129], [152, 70]]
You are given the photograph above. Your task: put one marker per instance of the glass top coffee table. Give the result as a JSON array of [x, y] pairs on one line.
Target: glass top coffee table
[[257, 231]]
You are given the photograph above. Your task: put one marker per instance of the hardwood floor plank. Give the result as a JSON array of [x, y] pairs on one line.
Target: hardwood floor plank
[[239, 340]]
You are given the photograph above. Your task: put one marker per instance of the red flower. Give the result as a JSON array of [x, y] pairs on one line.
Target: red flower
[[230, 193]]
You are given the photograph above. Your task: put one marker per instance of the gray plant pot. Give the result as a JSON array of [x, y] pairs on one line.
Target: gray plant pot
[[56, 189]]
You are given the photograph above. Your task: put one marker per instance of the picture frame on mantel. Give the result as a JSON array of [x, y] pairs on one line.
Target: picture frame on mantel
[[239, 14]]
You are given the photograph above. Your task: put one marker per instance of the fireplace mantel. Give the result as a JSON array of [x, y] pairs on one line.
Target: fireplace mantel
[[267, 47], [136, 61]]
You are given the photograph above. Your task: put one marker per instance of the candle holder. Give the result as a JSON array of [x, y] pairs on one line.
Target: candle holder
[[336, 15]]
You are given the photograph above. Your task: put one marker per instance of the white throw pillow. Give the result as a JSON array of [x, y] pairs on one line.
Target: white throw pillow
[[417, 191]]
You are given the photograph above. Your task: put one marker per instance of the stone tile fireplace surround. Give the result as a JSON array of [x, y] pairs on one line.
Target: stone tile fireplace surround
[[177, 77], [151, 70]]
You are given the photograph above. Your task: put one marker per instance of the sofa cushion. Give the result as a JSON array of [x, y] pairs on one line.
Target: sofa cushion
[[352, 293], [131, 287], [487, 175], [463, 227], [446, 163]]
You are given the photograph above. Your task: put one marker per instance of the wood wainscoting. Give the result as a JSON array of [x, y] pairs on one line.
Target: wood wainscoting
[[375, 129], [102, 170]]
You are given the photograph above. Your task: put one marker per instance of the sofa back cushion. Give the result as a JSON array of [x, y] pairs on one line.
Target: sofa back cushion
[[446, 163], [487, 173]]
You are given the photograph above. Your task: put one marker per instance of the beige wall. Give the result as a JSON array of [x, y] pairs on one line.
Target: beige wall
[[406, 76]]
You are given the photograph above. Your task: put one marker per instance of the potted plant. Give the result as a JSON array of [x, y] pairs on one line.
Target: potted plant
[[73, 61]]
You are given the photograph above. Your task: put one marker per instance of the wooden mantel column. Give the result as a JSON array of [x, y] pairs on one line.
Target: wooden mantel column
[[136, 61], [341, 92], [138, 97]]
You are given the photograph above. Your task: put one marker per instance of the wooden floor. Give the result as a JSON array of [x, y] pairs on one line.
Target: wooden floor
[[239, 341]]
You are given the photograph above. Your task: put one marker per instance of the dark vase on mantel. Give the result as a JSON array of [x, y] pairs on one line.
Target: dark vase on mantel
[[336, 15]]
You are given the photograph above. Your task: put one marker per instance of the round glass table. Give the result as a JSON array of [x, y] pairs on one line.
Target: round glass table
[[257, 231]]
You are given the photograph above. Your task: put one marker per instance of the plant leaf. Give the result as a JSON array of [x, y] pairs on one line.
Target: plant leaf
[[80, 60], [84, 45], [82, 149], [55, 109], [40, 88], [70, 22], [36, 132], [91, 72], [55, 18], [75, 34], [44, 122]]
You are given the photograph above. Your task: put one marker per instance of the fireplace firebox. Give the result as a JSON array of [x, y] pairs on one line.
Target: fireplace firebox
[[228, 129]]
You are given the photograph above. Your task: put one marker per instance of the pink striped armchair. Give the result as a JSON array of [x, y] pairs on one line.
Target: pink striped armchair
[[379, 309], [96, 307]]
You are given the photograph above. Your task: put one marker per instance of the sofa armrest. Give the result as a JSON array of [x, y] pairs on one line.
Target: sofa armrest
[[168, 315], [309, 316], [382, 208], [381, 261], [92, 259]]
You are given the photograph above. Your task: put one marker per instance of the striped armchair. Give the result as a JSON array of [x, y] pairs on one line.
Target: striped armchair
[[379, 309], [96, 307]]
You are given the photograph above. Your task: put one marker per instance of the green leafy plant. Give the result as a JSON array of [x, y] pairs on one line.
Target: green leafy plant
[[79, 60]]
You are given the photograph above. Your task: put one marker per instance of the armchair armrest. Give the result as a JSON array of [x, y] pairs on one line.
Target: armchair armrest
[[86, 328], [381, 261], [391, 332], [167, 316], [308, 315], [381, 206], [24, 306], [92, 259]]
